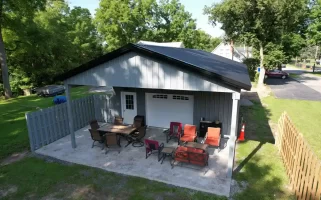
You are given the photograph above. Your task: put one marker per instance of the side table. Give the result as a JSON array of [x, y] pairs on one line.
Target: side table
[[166, 151]]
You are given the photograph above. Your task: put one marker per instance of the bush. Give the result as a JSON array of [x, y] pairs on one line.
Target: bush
[[256, 77], [252, 64]]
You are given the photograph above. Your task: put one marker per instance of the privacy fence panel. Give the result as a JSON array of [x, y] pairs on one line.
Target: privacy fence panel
[[48, 125], [302, 166], [102, 112]]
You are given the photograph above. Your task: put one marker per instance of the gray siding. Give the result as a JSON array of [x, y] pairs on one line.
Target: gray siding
[[210, 105], [136, 71]]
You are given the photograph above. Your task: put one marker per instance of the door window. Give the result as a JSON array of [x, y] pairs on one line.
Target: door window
[[129, 101]]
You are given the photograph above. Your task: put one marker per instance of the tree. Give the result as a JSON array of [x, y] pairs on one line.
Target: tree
[[258, 21], [204, 41], [122, 22], [314, 28], [11, 14], [274, 56], [173, 23], [55, 40], [292, 44]]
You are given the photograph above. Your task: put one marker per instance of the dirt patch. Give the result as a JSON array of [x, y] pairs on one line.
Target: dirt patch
[[14, 158], [7, 191]]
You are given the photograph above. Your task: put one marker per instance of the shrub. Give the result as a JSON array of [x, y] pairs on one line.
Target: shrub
[[256, 77], [252, 64]]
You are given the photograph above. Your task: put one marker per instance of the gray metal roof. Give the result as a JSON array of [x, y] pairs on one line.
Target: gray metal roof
[[206, 64], [227, 69]]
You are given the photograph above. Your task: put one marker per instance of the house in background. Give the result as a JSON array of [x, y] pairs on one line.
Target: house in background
[[162, 44], [237, 54]]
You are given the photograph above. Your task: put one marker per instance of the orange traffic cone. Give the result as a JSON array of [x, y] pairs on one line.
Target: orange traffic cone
[[242, 133]]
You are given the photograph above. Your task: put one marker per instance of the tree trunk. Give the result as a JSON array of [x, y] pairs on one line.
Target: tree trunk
[[232, 49], [262, 70], [316, 52], [4, 69]]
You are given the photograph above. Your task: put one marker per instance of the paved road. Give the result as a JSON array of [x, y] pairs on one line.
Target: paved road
[[292, 89]]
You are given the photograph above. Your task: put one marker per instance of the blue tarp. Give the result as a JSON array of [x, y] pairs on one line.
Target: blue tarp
[[59, 99]]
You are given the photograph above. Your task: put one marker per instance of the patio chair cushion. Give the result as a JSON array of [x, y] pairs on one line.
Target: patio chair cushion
[[213, 136], [188, 138], [191, 155], [189, 133], [189, 130]]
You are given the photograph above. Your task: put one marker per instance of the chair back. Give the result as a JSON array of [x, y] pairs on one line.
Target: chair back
[[189, 130], [214, 133], [95, 134], [94, 125], [141, 132], [137, 123], [175, 128], [111, 139], [151, 144], [118, 120]]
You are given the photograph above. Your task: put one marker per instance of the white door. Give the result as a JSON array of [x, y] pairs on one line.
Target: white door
[[161, 109], [128, 106]]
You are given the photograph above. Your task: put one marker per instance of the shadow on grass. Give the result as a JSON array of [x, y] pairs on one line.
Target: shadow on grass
[[246, 160], [257, 161], [256, 118]]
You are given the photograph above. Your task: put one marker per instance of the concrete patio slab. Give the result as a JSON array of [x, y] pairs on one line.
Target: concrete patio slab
[[131, 161]]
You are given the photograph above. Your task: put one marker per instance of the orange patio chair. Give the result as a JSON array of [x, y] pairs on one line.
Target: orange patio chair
[[213, 136], [189, 134]]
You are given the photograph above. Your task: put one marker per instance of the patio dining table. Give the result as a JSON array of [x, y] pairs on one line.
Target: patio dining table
[[123, 130]]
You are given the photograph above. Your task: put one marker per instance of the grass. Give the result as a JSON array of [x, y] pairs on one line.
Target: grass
[[315, 73], [304, 114], [257, 159], [14, 135], [33, 178]]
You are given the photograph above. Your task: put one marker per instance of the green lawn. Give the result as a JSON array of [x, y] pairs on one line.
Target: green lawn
[[258, 162], [257, 159], [304, 114], [33, 178], [14, 135], [315, 73]]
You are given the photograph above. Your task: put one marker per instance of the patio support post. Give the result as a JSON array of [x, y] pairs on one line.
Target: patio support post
[[233, 134], [70, 119]]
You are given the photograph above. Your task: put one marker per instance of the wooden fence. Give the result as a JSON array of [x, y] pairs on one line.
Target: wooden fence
[[48, 125], [302, 166]]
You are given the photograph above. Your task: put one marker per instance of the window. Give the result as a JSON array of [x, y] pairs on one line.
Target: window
[[129, 101], [178, 97], [160, 96]]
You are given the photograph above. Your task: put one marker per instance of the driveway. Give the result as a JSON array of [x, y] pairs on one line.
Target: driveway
[[294, 89]]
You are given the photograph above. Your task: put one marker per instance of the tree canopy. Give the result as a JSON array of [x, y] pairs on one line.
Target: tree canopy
[[41, 39], [49, 42], [121, 22], [259, 22]]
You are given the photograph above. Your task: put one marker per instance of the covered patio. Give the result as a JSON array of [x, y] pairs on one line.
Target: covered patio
[[163, 85], [131, 161]]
